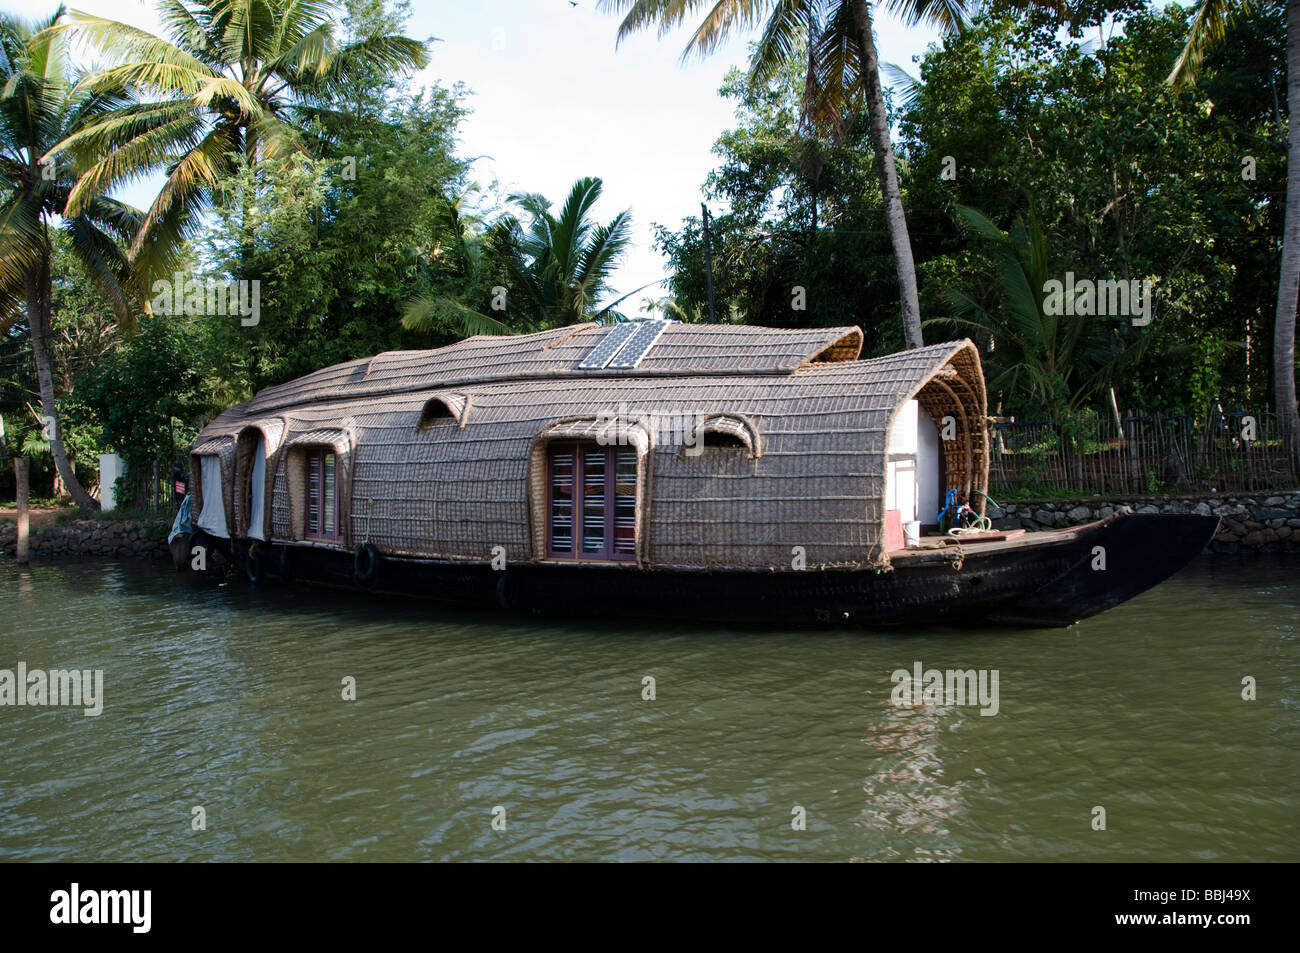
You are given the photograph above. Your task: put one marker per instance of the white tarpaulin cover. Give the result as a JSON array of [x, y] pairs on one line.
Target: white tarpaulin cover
[[213, 517], [256, 519]]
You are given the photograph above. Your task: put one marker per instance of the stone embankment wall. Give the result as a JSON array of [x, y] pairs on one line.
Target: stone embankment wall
[[93, 538], [1250, 524]]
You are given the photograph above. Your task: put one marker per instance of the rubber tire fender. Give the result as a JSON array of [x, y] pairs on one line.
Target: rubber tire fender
[[365, 565]]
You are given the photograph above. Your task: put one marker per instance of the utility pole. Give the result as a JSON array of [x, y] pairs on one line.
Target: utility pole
[[708, 264]]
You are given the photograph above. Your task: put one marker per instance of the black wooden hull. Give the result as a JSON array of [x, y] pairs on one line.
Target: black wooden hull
[[1051, 578]]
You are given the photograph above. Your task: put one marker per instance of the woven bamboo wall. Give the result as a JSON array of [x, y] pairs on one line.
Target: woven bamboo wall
[[279, 502], [452, 492]]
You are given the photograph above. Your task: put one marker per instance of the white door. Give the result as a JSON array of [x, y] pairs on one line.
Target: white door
[[930, 494], [902, 468]]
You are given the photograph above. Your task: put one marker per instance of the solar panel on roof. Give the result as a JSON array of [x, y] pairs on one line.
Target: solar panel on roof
[[631, 353], [607, 347]]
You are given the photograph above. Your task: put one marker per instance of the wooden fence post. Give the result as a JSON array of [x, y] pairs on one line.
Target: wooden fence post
[[20, 478]]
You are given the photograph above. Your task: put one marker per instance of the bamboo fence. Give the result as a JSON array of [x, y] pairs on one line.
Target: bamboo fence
[[1221, 452]]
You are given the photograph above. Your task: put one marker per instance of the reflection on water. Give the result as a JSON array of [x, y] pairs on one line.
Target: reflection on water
[[230, 698]]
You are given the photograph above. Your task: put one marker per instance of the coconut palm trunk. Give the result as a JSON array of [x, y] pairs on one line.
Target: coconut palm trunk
[[1289, 283], [842, 59], [883, 147], [38, 290]]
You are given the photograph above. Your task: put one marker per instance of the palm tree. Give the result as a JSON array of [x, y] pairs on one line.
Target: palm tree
[[40, 105], [462, 278], [1058, 361], [231, 85], [667, 306], [1210, 24], [556, 267], [842, 61], [559, 266]]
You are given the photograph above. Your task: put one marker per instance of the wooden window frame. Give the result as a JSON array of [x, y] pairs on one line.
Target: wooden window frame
[[312, 456], [609, 551]]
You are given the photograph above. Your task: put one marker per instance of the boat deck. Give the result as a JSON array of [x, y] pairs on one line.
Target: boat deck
[[943, 547]]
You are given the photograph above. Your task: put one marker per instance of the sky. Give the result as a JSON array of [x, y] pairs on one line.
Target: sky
[[554, 100]]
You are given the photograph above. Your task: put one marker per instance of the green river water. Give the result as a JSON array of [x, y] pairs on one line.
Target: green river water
[[229, 698]]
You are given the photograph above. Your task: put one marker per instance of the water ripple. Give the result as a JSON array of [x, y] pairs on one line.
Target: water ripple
[[230, 698]]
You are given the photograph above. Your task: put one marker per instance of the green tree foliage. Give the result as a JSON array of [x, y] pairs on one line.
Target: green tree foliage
[[231, 81], [1217, 24], [1129, 179], [143, 390], [339, 241], [802, 213], [558, 266], [834, 43], [1053, 360], [554, 268]]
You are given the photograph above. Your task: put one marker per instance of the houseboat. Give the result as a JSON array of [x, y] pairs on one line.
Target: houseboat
[[654, 468]]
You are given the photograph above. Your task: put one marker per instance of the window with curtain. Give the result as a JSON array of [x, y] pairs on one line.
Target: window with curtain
[[591, 504], [322, 495]]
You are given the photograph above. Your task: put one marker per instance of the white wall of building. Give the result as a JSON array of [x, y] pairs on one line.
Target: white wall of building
[[901, 463], [111, 466], [913, 465]]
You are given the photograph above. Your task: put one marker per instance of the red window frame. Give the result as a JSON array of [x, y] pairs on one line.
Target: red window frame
[[582, 497], [317, 496]]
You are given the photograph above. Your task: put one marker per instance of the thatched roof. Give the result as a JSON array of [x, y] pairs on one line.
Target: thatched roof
[[681, 349], [812, 418]]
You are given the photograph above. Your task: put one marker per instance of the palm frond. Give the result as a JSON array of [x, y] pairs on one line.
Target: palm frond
[[669, 14], [122, 42], [431, 312], [789, 22], [107, 264], [133, 159], [1208, 28], [949, 16], [22, 238], [186, 190], [720, 22], [908, 86]]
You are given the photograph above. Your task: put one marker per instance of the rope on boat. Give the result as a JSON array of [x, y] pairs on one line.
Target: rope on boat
[[982, 524]]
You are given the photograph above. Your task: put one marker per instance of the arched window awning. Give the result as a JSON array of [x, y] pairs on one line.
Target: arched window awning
[[733, 425], [443, 406]]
